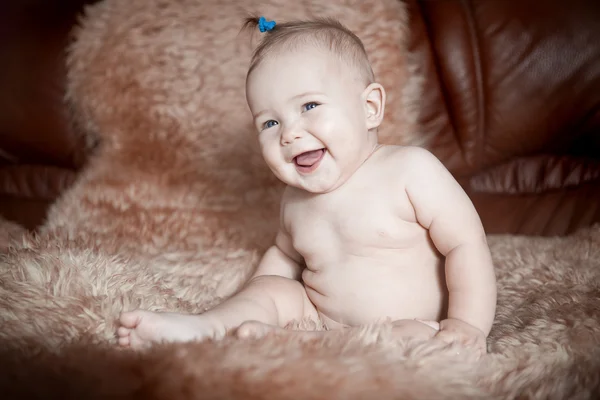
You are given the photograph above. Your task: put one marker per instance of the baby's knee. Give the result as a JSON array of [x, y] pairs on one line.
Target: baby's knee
[[290, 296], [282, 290]]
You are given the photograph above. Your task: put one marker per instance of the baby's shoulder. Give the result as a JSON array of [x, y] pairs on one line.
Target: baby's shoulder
[[409, 158]]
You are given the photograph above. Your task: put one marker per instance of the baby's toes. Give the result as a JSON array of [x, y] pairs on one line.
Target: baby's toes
[[123, 332], [130, 319], [138, 342], [124, 341], [123, 336]]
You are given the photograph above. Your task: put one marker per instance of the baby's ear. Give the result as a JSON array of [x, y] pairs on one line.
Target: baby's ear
[[374, 98]]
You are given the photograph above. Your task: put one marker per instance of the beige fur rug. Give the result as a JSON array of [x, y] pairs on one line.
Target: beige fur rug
[[175, 207]]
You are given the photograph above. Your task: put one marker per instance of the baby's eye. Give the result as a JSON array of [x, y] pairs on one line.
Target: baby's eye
[[269, 124], [310, 106]]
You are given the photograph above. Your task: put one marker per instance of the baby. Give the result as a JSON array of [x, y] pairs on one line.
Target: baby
[[368, 232]]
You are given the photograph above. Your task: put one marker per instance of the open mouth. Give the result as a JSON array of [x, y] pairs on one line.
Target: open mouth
[[309, 161]]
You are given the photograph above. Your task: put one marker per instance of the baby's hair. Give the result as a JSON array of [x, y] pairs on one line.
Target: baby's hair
[[326, 32]]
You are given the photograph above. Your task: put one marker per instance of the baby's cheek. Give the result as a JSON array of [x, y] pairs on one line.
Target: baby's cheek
[[269, 155], [274, 159], [277, 166]]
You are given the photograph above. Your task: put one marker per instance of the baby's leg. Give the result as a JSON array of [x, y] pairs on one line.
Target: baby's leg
[[256, 329], [268, 299], [411, 328], [407, 328]]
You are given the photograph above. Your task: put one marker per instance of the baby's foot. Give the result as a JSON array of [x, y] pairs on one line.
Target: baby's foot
[[419, 329], [433, 324], [141, 328]]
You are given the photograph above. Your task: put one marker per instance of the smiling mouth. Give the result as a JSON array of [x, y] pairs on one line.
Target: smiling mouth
[[309, 161]]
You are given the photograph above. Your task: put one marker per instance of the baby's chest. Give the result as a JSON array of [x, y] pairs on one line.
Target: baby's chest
[[351, 225]]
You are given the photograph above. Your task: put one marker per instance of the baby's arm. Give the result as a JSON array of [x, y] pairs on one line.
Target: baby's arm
[[442, 207], [272, 296]]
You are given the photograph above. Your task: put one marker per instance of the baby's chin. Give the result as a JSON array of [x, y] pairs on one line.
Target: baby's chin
[[315, 186], [313, 183]]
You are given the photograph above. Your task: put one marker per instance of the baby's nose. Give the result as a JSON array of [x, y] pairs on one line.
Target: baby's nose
[[290, 134]]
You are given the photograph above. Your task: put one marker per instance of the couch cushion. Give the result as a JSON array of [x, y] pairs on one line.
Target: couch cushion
[[507, 79], [34, 124], [27, 191], [541, 194]]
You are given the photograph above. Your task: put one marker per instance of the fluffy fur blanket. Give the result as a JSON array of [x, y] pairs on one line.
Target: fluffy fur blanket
[[176, 206]]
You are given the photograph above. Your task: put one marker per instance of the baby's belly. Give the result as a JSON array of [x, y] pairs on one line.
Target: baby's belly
[[360, 290]]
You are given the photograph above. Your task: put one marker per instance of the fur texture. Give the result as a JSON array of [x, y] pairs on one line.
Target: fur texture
[[9, 231], [176, 206]]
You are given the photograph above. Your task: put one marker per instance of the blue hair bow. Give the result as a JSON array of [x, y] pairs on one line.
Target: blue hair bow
[[265, 25]]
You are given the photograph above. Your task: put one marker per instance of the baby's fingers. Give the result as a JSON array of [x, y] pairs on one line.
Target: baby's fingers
[[448, 337], [468, 342]]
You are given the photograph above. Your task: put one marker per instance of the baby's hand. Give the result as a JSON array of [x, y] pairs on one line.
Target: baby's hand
[[455, 330]]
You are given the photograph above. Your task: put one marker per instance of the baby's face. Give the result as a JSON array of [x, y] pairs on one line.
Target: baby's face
[[310, 112]]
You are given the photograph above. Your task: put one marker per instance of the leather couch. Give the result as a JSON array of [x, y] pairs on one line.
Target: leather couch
[[511, 105], [40, 153]]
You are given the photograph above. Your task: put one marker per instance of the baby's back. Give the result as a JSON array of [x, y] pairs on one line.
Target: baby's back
[[367, 257]]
